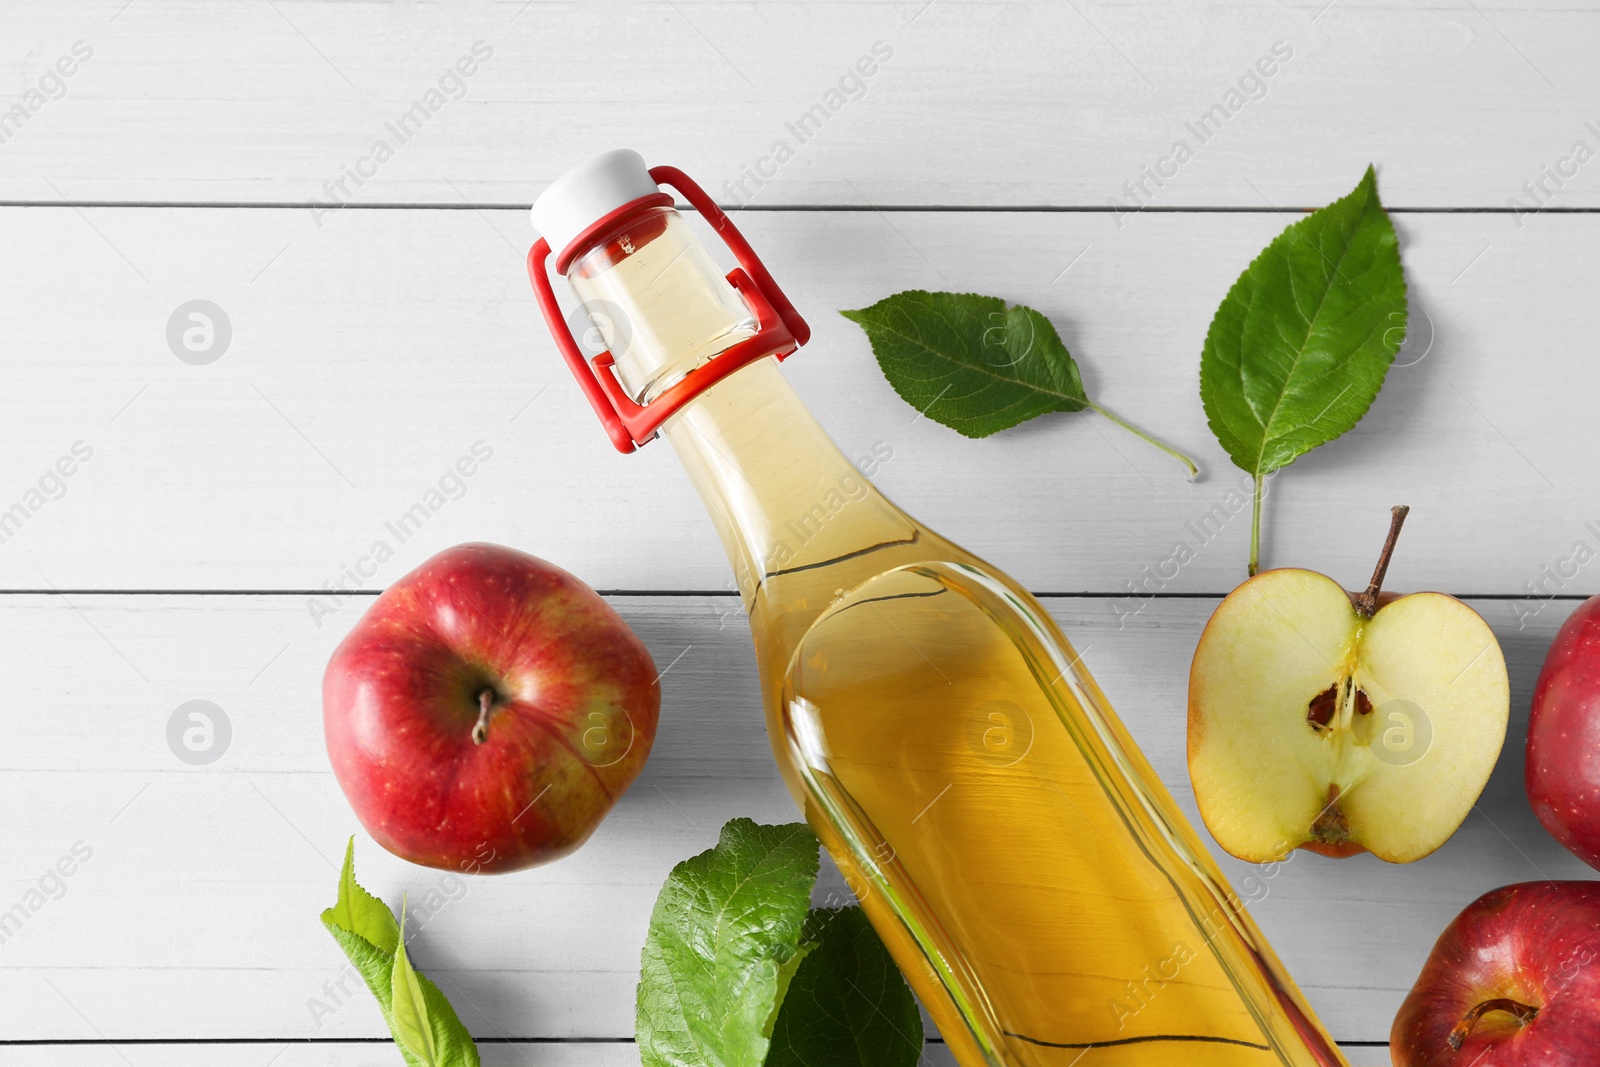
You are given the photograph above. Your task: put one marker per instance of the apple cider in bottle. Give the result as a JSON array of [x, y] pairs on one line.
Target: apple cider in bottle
[[1024, 865]]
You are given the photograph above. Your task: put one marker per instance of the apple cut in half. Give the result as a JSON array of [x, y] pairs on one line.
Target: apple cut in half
[[1342, 723]]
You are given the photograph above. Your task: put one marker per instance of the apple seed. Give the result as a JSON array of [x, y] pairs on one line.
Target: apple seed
[[1319, 712]]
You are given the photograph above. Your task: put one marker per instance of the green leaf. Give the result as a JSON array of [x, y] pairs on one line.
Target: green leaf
[[413, 1029], [454, 1045], [372, 963], [976, 365], [1301, 344], [785, 976], [359, 912], [969, 361], [354, 920], [1303, 340], [425, 1025], [724, 926], [365, 929], [847, 1005]]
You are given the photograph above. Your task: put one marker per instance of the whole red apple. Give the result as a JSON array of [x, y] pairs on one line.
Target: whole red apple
[[1514, 981], [1563, 760], [487, 711]]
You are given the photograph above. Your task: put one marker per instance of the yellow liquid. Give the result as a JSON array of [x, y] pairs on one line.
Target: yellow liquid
[[1006, 840], [1026, 868]]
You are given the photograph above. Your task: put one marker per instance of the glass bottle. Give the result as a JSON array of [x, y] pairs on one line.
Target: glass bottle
[[1028, 871]]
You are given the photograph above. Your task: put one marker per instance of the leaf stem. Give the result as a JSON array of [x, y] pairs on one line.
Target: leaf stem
[[1194, 471], [1255, 531]]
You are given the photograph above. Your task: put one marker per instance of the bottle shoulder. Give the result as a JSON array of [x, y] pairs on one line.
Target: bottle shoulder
[[789, 601]]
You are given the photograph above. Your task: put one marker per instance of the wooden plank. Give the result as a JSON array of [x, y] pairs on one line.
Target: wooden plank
[[368, 357], [542, 1054], [195, 916], [978, 103], [517, 1054]]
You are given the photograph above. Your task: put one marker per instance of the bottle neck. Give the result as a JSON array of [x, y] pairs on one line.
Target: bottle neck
[[659, 301], [782, 496]]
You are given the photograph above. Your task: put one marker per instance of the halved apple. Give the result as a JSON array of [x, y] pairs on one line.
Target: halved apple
[[1340, 722]]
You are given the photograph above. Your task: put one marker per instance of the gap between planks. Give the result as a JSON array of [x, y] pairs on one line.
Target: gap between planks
[[877, 209]]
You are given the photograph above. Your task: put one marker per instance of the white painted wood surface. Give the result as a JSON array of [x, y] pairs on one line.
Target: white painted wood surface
[[372, 347], [368, 356], [981, 102]]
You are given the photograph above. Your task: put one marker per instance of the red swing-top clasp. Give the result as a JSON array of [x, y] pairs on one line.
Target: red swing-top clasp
[[780, 329]]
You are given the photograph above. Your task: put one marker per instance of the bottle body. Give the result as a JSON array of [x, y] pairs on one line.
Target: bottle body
[[1025, 867]]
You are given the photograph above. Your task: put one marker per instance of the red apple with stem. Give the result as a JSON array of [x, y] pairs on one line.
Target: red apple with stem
[[487, 711], [1563, 754], [1514, 981]]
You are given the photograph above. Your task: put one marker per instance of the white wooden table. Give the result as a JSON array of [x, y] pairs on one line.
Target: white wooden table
[[372, 345]]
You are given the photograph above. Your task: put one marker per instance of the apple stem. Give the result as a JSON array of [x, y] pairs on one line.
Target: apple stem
[[1367, 602], [1523, 1013], [480, 730]]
